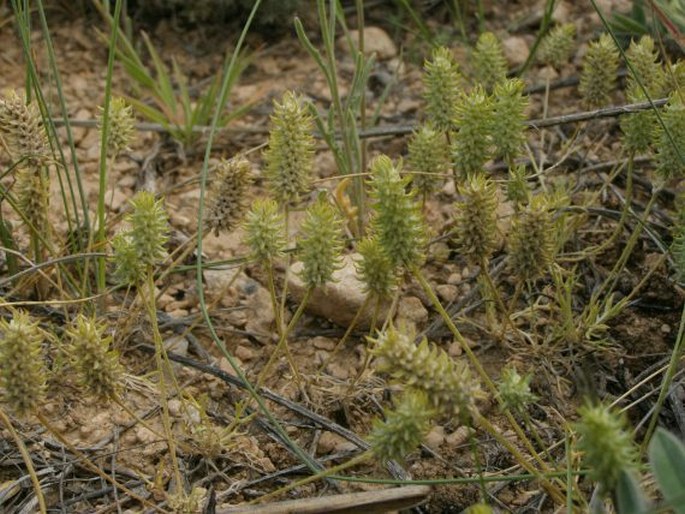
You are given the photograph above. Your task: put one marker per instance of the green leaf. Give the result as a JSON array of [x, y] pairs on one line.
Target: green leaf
[[629, 497], [667, 457]]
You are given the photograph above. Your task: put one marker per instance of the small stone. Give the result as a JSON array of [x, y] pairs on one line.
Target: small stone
[[665, 328], [336, 370], [244, 353], [411, 309], [458, 437], [515, 50], [454, 279], [454, 349], [164, 300], [435, 437], [376, 40], [260, 315], [323, 343], [174, 406], [177, 345], [447, 292], [333, 443]]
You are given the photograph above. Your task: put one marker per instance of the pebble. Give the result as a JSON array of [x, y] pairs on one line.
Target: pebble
[[435, 437], [323, 343], [454, 278], [376, 40], [177, 345], [244, 353], [411, 309], [515, 50], [447, 292], [333, 443]]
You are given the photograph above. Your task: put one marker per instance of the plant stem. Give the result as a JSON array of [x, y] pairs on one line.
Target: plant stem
[[27, 460]]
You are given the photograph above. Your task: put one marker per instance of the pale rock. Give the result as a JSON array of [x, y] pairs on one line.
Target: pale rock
[[118, 199], [338, 300], [260, 314], [454, 349], [244, 353], [447, 292], [458, 438], [435, 437], [174, 406], [562, 12], [323, 343], [164, 300], [226, 367], [178, 313], [79, 133], [516, 50], [454, 279], [218, 282], [333, 443], [177, 344], [376, 40], [336, 370], [411, 310]]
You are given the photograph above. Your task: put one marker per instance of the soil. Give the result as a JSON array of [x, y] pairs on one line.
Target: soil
[[228, 458]]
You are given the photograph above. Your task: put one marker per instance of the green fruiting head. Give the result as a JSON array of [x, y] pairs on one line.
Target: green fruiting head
[[646, 72], [517, 185], [397, 223], [669, 140], [264, 228], [599, 73], [475, 217], [508, 125], [441, 82], [403, 429], [488, 61], [532, 239], [97, 366], [428, 159], [376, 269], [129, 270], [607, 446], [558, 45], [228, 194], [514, 390], [149, 227], [33, 198], [473, 143], [448, 385], [290, 155], [22, 128], [675, 77], [122, 127], [320, 244], [22, 369]]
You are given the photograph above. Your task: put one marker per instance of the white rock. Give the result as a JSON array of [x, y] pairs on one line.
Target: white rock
[[435, 437], [411, 310], [339, 300], [260, 314], [376, 40], [516, 50]]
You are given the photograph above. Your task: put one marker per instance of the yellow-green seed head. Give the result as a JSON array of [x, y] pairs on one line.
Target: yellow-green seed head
[[514, 390], [264, 228], [149, 227], [473, 143], [670, 151], [532, 240], [678, 245], [290, 154], [607, 446], [442, 84], [508, 126], [675, 76], [122, 127], [488, 61], [129, 270], [599, 73], [558, 45], [228, 194], [517, 185], [97, 366], [475, 231], [428, 159], [397, 224], [320, 244], [449, 386], [22, 369], [403, 429], [638, 129], [33, 198], [21, 126], [376, 269], [647, 70]]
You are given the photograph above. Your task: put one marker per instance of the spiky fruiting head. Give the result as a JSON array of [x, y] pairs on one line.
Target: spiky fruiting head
[[403, 429], [448, 384], [320, 243], [558, 45], [376, 269], [264, 230], [669, 140], [678, 245], [607, 446], [475, 231], [647, 71], [122, 129], [508, 125], [22, 369], [675, 76], [290, 155], [517, 185], [532, 239], [397, 223], [97, 366], [599, 72], [129, 270], [428, 159], [228, 194], [473, 142], [33, 198], [488, 61], [22, 128], [149, 227], [442, 84], [514, 390]]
